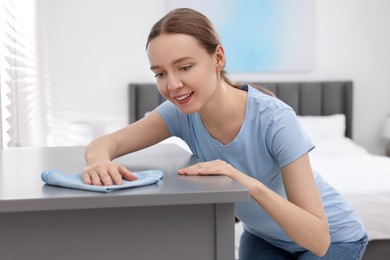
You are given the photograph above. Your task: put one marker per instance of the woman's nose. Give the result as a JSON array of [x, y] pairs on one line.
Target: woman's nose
[[174, 82]]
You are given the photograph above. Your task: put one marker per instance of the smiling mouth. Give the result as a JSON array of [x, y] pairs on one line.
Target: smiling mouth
[[181, 98]]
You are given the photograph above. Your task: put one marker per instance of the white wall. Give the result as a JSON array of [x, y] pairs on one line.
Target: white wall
[[92, 49]]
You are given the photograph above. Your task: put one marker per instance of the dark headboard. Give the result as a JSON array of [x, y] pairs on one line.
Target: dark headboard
[[306, 98]]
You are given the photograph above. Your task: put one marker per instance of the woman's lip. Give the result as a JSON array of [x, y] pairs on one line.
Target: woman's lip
[[181, 99]]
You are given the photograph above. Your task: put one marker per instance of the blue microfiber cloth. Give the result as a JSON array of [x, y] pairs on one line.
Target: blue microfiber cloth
[[58, 178]]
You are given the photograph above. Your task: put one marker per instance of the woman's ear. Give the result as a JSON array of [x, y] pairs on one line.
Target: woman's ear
[[220, 58]]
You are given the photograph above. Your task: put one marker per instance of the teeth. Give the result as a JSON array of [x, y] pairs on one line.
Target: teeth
[[184, 97]]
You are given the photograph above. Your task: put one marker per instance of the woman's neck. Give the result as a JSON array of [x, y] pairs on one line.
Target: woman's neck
[[224, 115]]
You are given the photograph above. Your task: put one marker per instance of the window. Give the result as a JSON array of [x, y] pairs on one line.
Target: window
[[22, 97]]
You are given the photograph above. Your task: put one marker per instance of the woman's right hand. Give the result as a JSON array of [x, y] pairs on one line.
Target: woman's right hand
[[106, 173]]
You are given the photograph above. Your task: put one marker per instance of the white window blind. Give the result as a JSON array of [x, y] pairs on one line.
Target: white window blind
[[22, 95]]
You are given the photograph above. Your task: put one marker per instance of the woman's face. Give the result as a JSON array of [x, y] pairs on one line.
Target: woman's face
[[185, 73]]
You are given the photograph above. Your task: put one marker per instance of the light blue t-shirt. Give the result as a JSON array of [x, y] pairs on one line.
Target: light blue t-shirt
[[270, 138]]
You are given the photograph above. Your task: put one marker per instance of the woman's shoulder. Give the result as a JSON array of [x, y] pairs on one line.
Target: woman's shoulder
[[166, 108], [264, 100], [172, 114]]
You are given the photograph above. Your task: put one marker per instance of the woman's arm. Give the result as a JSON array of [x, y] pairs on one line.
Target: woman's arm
[[302, 216], [100, 169]]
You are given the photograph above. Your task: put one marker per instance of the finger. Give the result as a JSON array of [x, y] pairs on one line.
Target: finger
[[203, 168], [116, 177], [126, 174], [95, 178], [86, 178], [106, 178], [184, 171], [181, 171], [192, 170]]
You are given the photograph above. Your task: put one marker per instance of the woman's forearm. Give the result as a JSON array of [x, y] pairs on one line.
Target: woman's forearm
[[306, 229], [303, 227], [101, 149]]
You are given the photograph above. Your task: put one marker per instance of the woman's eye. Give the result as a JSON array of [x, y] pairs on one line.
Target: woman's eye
[[159, 75], [185, 68]]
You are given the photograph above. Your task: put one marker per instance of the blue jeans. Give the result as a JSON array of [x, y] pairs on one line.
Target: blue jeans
[[255, 248]]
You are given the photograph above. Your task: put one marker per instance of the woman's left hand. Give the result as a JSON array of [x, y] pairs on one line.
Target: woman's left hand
[[219, 167], [216, 167]]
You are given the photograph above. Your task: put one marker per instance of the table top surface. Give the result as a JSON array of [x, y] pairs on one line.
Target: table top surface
[[21, 187]]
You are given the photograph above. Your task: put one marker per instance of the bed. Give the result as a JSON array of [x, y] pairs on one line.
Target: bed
[[325, 111]]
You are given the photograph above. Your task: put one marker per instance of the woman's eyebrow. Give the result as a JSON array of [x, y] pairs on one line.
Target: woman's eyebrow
[[174, 62]]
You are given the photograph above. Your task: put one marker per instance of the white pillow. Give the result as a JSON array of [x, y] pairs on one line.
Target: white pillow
[[318, 127]]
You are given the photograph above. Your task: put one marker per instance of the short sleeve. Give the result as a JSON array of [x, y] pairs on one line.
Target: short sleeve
[[170, 115], [286, 140]]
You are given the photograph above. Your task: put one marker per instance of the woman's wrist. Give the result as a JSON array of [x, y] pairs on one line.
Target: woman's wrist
[[252, 184], [93, 159]]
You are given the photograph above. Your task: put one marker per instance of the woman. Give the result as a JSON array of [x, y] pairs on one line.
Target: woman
[[239, 132]]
